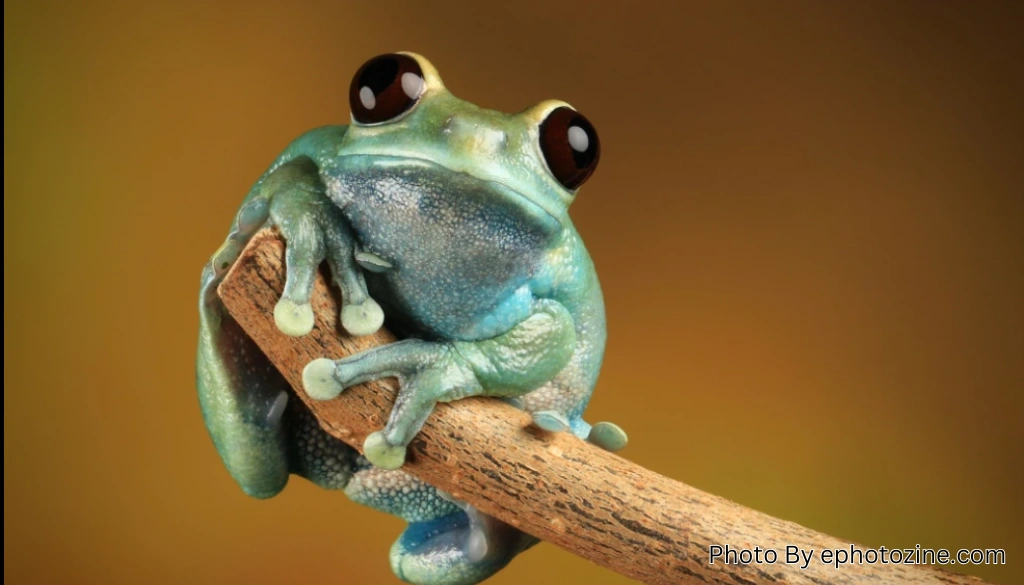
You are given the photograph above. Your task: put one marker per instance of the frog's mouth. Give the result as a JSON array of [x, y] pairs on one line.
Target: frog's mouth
[[399, 164]]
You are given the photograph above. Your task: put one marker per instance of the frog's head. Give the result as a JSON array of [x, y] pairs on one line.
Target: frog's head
[[403, 117]]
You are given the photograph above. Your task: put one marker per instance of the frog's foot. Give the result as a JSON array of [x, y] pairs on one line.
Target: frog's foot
[[463, 548], [314, 230], [608, 436]]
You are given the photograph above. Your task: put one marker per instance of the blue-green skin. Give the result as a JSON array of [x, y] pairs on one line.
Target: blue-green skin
[[447, 220]]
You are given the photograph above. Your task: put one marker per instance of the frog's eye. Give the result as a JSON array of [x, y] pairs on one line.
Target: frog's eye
[[570, 146], [385, 87]]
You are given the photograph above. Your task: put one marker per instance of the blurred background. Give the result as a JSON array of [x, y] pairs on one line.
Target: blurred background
[[807, 220]]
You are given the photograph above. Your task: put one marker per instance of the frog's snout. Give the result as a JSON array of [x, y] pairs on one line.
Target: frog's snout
[[471, 134]]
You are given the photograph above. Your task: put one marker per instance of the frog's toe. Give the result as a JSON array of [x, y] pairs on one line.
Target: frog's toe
[[303, 254], [551, 421], [253, 215], [319, 380], [225, 256], [294, 319], [608, 436], [383, 454], [364, 318]]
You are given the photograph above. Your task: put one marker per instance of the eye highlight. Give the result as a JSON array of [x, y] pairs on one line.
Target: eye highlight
[[570, 146], [384, 88]]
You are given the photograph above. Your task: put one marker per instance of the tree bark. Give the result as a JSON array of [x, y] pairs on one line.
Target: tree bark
[[554, 486]]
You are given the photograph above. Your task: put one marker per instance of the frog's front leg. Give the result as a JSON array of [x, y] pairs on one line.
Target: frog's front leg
[[511, 364], [315, 230], [241, 394]]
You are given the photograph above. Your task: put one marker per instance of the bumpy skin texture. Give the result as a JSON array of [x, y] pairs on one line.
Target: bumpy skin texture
[[446, 220]]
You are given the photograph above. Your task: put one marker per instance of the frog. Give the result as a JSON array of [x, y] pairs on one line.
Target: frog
[[448, 224]]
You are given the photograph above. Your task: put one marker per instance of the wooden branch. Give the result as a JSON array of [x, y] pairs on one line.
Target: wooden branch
[[560, 489]]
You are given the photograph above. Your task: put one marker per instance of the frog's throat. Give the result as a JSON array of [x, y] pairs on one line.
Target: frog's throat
[[556, 215]]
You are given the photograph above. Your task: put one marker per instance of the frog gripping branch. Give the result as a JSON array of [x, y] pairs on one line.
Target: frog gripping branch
[[560, 489], [449, 222]]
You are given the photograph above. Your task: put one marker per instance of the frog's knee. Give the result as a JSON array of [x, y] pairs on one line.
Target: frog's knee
[[528, 355]]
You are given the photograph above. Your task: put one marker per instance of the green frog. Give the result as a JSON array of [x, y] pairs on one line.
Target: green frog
[[450, 222]]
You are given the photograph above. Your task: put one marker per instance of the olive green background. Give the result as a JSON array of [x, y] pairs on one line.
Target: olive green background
[[807, 220]]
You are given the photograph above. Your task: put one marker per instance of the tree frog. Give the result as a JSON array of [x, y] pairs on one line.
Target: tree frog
[[450, 222]]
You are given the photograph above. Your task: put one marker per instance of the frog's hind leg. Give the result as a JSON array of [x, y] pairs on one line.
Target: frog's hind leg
[[447, 542], [511, 364], [315, 454], [242, 397], [262, 431]]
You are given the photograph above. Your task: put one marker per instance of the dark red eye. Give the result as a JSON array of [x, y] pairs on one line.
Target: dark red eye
[[570, 146], [385, 87]]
